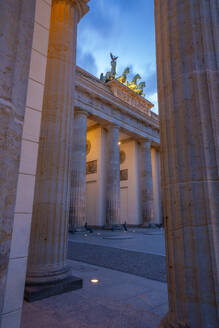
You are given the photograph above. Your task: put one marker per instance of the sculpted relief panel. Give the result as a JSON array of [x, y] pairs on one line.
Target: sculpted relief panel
[[91, 167]]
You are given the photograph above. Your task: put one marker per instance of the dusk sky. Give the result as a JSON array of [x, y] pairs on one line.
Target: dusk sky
[[125, 28]]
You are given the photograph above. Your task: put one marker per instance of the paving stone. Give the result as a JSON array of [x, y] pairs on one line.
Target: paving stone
[[113, 303], [150, 266]]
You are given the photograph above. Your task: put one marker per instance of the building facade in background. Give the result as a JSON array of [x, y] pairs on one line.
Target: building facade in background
[[103, 109]]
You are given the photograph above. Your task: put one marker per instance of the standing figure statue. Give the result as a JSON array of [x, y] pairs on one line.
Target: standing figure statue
[[111, 74], [113, 64]]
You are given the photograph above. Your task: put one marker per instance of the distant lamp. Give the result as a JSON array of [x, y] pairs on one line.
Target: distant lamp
[[94, 281], [119, 143]]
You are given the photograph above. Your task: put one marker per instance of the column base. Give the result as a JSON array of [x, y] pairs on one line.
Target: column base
[[112, 227], [166, 322], [37, 292], [78, 229], [149, 225]]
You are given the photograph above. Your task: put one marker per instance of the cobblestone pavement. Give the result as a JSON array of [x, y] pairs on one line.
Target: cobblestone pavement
[[150, 241], [139, 251]]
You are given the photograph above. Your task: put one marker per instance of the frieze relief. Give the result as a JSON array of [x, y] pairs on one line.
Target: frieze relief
[[124, 175], [91, 167]]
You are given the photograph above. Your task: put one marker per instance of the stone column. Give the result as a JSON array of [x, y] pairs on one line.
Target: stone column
[[187, 38], [48, 243], [113, 178], [77, 216], [16, 32], [146, 183]]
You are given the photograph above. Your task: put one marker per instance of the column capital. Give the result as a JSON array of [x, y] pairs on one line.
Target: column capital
[[112, 126], [145, 141], [80, 5], [79, 111]]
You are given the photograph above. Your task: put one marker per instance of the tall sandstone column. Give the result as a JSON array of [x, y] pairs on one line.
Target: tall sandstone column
[[113, 178], [16, 32], [147, 183], [48, 244], [187, 37], [77, 216]]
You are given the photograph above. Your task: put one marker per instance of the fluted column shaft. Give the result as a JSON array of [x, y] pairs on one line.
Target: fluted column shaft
[[77, 216], [146, 183], [16, 32], [187, 38], [113, 177], [48, 243]]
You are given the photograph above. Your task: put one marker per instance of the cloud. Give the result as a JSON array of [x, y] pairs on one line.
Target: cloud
[[86, 60], [154, 99], [101, 19], [151, 83]]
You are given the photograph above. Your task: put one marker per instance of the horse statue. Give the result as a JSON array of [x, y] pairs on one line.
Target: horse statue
[[111, 74], [123, 77], [139, 88], [132, 85]]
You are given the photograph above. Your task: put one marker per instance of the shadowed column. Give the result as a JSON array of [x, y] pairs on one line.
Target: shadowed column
[[146, 183], [48, 244], [77, 216], [113, 178], [16, 32], [187, 38]]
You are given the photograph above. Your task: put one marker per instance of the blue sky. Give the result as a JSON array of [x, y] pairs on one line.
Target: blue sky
[[125, 28]]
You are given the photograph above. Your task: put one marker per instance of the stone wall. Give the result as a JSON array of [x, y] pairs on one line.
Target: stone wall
[[26, 179]]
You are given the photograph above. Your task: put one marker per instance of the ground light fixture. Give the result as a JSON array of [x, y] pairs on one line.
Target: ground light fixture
[[94, 281]]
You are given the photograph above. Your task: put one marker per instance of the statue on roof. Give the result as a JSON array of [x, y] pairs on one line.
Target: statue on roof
[[133, 84], [123, 77], [111, 74], [139, 88]]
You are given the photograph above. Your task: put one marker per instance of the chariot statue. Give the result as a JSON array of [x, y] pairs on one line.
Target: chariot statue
[[133, 84], [123, 78], [139, 88]]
